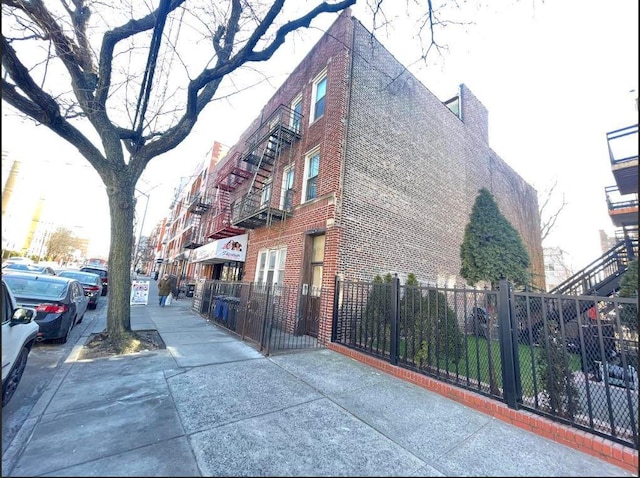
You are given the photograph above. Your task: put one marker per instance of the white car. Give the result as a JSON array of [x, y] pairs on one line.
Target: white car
[[17, 260], [19, 331]]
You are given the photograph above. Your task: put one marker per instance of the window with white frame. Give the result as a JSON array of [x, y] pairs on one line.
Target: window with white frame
[[318, 94], [286, 198], [311, 169], [296, 116], [270, 268], [265, 195]]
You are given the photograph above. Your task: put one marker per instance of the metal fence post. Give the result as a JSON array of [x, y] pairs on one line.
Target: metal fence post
[[264, 320], [511, 384], [395, 319], [334, 322]]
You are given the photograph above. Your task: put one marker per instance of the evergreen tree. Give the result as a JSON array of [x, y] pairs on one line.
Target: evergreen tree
[[629, 288], [377, 314], [629, 282], [559, 390], [429, 326], [492, 248]]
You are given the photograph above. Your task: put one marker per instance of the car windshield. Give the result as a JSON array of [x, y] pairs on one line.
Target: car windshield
[[24, 267], [36, 287], [84, 277], [100, 272]]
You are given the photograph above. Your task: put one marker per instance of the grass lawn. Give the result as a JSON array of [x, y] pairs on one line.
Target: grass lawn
[[474, 362]]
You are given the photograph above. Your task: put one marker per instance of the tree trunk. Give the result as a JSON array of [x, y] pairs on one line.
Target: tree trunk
[[122, 211]]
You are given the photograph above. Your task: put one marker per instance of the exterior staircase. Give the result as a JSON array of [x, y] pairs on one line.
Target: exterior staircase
[[602, 276]]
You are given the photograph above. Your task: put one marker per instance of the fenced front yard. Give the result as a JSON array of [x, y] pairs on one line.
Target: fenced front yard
[[572, 359]]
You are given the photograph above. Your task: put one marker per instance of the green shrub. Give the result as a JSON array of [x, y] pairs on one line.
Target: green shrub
[[430, 326], [559, 392]]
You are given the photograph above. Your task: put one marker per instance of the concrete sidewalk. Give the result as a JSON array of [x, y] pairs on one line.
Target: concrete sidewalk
[[212, 405]]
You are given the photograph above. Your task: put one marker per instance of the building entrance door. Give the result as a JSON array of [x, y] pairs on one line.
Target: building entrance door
[[312, 286]]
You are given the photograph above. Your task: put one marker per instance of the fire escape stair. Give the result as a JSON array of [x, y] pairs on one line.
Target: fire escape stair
[[602, 276], [230, 177], [255, 209]]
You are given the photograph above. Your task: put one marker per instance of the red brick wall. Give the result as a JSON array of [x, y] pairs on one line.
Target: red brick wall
[[327, 133], [413, 170], [398, 173]]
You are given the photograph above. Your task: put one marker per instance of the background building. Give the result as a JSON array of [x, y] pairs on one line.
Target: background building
[[557, 267]]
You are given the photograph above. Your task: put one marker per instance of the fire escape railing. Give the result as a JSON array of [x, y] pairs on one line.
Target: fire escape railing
[[264, 148], [620, 133], [607, 267]]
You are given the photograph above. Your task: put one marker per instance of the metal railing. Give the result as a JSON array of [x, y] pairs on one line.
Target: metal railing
[[616, 201], [284, 119], [622, 133], [273, 317], [571, 359], [253, 207], [607, 267]]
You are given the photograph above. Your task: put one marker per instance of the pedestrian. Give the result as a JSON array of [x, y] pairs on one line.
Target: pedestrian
[[164, 289]]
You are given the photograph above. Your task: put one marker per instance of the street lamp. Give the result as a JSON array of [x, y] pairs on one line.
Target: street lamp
[[144, 215]]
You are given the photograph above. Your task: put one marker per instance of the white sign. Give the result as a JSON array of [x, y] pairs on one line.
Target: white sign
[[139, 292], [223, 250]]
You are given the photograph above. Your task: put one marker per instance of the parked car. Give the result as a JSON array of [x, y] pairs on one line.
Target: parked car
[[16, 260], [60, 302], [19, 332], [32, 268], [103, 272], [91, 283]]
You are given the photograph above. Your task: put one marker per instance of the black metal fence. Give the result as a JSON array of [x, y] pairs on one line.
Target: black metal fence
[[272, 317], [573, 359]]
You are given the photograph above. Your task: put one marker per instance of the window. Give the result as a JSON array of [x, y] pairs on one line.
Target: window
[[296, 116], [311, 168], [265, 196], [270, 268], [286, 199], [6, 305], [318, 94], [317, 258], [262, 261]]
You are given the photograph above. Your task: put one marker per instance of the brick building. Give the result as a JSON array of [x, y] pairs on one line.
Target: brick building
[[354, 168]]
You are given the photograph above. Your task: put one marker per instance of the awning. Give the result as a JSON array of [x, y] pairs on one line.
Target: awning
[[231, 249]]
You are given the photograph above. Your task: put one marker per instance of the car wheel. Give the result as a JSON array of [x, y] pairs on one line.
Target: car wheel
[[104, 292], [63, 339], [13, 379]]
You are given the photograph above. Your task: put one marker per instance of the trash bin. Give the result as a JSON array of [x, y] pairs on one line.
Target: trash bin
[[225, 310], [217, 309], [190, 289], [233, 304]]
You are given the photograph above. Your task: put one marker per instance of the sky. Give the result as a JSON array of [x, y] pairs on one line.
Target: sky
[[554, 76]]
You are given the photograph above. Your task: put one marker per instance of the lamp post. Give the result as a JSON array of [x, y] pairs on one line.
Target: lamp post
[[144, 215]]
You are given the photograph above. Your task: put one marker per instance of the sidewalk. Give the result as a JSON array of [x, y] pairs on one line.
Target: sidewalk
[[212, 405]]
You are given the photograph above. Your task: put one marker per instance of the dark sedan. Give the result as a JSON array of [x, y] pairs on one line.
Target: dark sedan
[[91, 283], [103, 272], [60, 302]]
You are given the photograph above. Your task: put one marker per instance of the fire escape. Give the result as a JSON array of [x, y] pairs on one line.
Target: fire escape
[[602, 276], [255, 206], [193, 236], [228, 179]]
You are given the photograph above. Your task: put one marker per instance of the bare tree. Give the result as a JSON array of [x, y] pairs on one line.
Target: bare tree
[[61, 243], [123, 95], [549, 215]]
